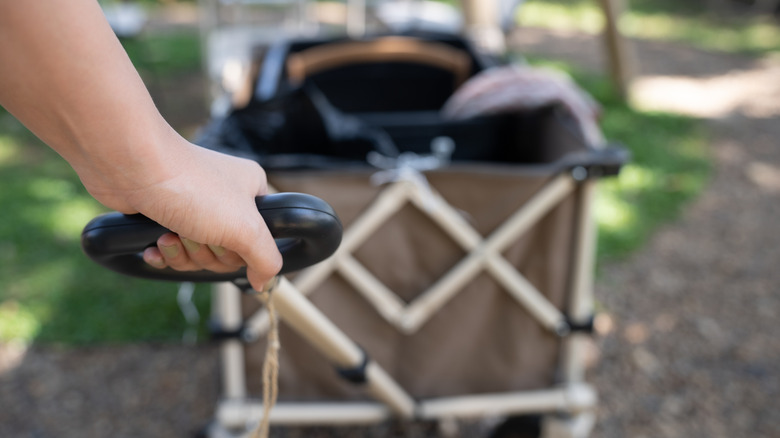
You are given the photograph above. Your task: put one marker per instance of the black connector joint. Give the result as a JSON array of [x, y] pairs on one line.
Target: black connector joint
[[356, 375], [581, 326], [218, 333]]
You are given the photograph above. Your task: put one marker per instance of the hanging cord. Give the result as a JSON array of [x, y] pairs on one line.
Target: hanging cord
[[271, 361]]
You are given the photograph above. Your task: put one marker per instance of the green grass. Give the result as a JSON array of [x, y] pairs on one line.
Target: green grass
[[165, 54], [680, 21], [50, 291], [669, 167]]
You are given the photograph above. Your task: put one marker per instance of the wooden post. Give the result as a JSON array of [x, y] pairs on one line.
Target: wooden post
[[619, 54], [482, 24]]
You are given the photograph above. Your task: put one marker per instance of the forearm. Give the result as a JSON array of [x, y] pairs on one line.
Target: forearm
[[65, 76]]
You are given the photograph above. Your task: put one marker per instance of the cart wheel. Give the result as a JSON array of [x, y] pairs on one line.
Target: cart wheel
[[202, 432], [521, 426]]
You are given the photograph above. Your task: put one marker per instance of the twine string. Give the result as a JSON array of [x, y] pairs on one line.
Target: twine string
[[270, 363]]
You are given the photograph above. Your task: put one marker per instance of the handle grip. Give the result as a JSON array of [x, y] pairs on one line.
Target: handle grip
[[306, 230]]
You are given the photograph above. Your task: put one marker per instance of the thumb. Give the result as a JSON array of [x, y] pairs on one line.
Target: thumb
[[262, 258]]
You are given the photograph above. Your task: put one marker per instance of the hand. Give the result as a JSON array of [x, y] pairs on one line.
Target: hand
[[208, 199]]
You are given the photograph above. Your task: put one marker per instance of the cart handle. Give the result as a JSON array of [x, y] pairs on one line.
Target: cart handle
[[306, 230]]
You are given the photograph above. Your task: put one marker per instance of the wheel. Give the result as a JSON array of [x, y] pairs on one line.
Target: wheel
[[521, 426]]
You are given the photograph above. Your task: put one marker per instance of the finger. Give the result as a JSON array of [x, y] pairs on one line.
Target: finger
[[212, 258], [175, 255], [184, 254], [201, 256], [260, 279], [263, 259], [153, 257], [226, 257]]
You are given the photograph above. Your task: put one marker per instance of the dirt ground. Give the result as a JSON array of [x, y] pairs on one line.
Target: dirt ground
[[693, 351], [690, 348]]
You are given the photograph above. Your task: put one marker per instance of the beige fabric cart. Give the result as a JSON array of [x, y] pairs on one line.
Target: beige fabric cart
[[462, 287]]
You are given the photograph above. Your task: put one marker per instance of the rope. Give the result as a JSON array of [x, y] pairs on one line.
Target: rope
[[270, 363]]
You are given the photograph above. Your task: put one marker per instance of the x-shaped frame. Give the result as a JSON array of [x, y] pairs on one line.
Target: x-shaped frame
[[482, 254]]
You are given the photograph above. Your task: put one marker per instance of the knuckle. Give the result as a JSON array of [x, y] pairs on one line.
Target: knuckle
[[233, 260], [185, 267], [276, 265]]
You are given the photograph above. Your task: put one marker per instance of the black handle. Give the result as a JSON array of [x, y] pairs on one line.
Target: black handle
[[305, 227]]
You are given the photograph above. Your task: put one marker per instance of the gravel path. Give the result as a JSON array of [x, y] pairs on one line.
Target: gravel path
[[691, 347], [694, 350], [128, 391]]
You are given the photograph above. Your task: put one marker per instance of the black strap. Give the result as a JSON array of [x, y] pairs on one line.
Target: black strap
[[581, 326], [219, 333]]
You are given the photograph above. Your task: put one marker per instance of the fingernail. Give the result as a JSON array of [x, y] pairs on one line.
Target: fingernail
[[217, 250], [157, 263], [191, 246], [169, 251]]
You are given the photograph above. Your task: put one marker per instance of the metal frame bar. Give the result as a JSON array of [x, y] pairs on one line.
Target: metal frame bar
[[227, 309], [577, 398], [581, 299]]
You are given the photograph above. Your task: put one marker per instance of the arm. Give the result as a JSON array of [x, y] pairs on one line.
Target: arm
[[65, 76]]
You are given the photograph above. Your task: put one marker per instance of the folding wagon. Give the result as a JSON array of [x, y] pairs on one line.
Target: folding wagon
[[462, 286]]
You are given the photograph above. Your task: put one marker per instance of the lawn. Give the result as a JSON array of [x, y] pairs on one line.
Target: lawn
[[50, 292], [669, 167]]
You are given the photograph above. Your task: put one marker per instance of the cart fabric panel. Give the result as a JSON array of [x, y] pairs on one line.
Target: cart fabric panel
[[481, 341]]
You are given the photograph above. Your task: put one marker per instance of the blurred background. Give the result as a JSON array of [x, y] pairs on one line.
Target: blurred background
[[687, 282]]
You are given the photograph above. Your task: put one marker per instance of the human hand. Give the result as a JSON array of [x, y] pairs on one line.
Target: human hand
[[208, 200]]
